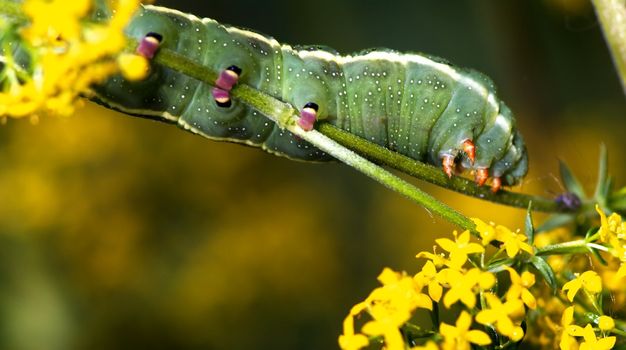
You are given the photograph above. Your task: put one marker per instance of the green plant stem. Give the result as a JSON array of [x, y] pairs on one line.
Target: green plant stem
[[285, 116], [578, 246], [612, 17], [434, 175]]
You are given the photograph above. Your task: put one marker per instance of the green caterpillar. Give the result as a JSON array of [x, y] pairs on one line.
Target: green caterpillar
[[417, 105]]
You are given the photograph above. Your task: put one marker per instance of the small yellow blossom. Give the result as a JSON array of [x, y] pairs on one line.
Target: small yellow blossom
[[460, 337], [133, 67], [487, 232], [519, 287], [512, 242], [499, 314], [590, 281], [390, 331], [463, 287], [567, 342], [349, 340], [390, 306], [460, 248], [428, 276], [438, 259], [613, 231], [606, 323], [611, 226], [62, 20], [591, 342]]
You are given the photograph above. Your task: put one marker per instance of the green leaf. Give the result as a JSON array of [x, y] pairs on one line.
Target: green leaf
[[498, 265], [555, 221], [529, 227], [596, 253], [545, 270], [569, 180]]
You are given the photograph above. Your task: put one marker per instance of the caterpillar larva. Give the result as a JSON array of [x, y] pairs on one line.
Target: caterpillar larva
[[417, 105]]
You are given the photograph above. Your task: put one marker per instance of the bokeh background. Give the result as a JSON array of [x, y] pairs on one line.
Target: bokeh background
[[123, 233]]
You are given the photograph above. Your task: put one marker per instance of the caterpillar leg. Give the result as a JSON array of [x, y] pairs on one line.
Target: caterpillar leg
[[496, 184], [308, 116], [224, 83], [469, 149], [481, 176], [149, 45], [448, 164]]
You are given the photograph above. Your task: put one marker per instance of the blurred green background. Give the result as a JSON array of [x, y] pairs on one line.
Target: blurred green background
[[123, 233]]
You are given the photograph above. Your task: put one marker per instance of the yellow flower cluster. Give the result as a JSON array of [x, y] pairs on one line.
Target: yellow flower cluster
[[68, 53], [512, 242], [591, 284], [581, 307], [461, 276], [613, 232], [446, 279], [390, 306]]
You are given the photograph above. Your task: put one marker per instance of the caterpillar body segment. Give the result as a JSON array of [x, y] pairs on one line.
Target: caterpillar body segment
[[413, 104]]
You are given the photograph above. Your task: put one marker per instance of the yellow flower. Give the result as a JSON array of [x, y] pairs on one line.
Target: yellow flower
[[428, 276], [591, 342], [133, 67], [460, 248], [460, 337], [613, 231], [438, 259], [68, 53], [606, 323], [390, 306], [567, 341], [610, 227], [499, 314], [588, 280], [512, 242], [487, 232], [62, 20], [397, 298], [353, 341], [390, 331], [349, 340], [463, 287], [519, 287]]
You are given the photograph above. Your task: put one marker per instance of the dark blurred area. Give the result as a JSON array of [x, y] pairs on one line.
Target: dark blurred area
[[123, 233]]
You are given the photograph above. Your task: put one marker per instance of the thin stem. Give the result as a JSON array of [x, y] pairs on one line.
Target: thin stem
[[434, 175], [578, 246], [285, 116], [612, 16]]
